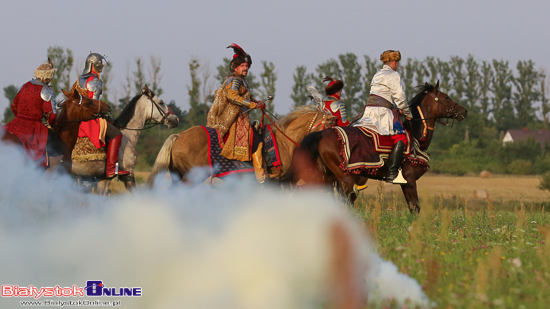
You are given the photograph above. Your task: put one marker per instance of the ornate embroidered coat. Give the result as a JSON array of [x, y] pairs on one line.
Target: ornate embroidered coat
[[335, 106], [29, 107], [227, 115]]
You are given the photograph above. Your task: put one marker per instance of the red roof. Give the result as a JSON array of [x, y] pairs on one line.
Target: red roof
[[539, 135]]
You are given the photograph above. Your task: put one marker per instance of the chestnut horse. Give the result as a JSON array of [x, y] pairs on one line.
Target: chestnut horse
[[73, 110], [317, 160], [188, 149]]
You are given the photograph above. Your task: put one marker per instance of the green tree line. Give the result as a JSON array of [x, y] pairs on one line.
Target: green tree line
[[498, 95]]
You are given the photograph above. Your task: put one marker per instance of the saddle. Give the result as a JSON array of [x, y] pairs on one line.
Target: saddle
[[364, 150], [87, 159], [220, 166]]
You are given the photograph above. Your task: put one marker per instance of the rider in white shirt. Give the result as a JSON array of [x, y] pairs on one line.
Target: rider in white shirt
[[385, 102]]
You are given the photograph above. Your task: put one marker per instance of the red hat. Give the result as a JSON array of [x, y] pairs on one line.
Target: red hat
[[333, 86], [239, 57]]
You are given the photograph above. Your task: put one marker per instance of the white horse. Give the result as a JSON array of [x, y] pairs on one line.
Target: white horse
[[143, 108]]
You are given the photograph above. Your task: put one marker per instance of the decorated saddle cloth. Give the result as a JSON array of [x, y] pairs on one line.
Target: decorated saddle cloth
[[363, 150], [220, 166], [85, 151]]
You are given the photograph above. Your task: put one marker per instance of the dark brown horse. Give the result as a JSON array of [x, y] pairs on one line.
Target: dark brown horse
[[73, 110], [317, 160]]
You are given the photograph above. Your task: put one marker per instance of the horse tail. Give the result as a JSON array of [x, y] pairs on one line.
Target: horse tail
[[305, 161], [162, 162]]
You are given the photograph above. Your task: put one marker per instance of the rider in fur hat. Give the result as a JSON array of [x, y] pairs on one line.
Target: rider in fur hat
[[384, 104], [89, 84], [333, 102], [229, 114], [34, 103]]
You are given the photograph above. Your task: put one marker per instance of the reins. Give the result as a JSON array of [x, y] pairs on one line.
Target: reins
[[151, 123], [311, 125]]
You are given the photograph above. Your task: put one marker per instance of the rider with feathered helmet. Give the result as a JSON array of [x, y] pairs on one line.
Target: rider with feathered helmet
[[89, 84], [229, 114], [384, 104], [333, 102], [33, 106]]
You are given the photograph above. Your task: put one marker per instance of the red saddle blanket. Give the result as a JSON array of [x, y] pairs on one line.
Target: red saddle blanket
[[364, 151]]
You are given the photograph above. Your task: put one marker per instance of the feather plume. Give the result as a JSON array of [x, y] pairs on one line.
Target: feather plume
[[237, 49], [328, 79]]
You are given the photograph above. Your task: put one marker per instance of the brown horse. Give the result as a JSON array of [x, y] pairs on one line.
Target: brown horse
[[317, 160], [188, 149], [73, 110]]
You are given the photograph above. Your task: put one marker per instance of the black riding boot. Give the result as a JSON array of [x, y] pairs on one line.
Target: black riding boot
[[396, 157]]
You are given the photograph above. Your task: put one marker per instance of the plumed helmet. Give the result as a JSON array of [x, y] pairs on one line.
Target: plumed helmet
[[45, 71], [390, 55], [239, 57], [333, 86], [94, 60]]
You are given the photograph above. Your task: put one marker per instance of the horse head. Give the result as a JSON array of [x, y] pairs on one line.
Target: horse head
[[79, 107], [437, 105], [160, 112]]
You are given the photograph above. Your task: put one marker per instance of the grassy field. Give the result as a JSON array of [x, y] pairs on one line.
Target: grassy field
[[465, 251]]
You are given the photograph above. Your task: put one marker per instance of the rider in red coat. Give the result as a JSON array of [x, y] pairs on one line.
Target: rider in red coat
[[333, 102], [34, 102]]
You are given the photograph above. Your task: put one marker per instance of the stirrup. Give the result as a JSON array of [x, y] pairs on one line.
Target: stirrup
[[399, 180]]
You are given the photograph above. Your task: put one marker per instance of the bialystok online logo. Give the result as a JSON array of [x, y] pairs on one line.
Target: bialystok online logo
[[94, 288]]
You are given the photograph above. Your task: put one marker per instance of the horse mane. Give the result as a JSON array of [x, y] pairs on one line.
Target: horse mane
[[128, 113], [297, 112], [417, 99]]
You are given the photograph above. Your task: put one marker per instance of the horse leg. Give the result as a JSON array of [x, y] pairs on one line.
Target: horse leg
[[103, 186], [130, 182]]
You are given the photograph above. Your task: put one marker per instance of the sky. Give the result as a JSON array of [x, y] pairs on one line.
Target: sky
[[288, 33]]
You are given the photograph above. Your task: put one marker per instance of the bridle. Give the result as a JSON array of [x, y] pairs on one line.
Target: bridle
[[451, 113], [153, 123]]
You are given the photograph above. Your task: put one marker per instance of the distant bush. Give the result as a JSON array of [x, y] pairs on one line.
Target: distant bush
[[520, 167], [545, 182], [452, 166]]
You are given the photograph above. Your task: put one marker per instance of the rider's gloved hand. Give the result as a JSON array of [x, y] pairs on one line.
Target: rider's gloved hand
[[260, 105]]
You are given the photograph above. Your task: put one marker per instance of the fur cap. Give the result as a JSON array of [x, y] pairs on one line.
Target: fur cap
[[333, 86], [239, 57], [45, 71], [390, 55]]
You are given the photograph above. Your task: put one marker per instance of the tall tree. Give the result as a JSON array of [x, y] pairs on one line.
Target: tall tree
[[351, 76], [527, 92], [407, 71], [300, 94], [198, 110], [9, 92], [106, 79], [502, 109], [62, 60], [139, 76], [155, 75], [268, 80], [545, 100]]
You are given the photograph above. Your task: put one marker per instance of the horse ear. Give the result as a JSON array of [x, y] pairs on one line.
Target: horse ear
[[436, 87], [145, 89], [65, 93]]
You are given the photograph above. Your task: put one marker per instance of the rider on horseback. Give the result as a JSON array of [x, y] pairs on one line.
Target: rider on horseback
[[89, 84], [386, 100], [333, 102], [229, 114], [33, 102]]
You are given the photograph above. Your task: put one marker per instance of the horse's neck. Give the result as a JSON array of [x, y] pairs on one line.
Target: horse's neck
[[136, 124], [419, 127]]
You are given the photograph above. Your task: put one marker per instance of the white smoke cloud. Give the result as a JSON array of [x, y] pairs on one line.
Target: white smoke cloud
[[232, 246]]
